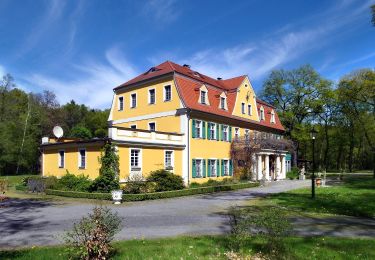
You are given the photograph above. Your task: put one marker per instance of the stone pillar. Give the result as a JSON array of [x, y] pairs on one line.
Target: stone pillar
[[260, 167], [254, 167], [267, 167], [278, 168], [283, 167]]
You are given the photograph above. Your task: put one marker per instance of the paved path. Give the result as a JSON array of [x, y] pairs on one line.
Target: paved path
[[27, 222]]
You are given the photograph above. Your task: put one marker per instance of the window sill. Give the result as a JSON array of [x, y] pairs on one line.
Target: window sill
[[61, 167], [168, 100], [81, 168], [136, 169]]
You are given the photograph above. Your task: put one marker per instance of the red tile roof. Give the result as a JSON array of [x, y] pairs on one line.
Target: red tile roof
[[188, 83]]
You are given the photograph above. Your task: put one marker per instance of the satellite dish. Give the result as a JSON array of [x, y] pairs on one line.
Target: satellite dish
[[58, 131]]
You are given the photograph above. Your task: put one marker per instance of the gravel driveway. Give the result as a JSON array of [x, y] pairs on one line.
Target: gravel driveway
[[25, 222]]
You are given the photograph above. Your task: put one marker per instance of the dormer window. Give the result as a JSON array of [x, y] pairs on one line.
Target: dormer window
[[261, 113], [203, 97], [273, 121], [222, 102]]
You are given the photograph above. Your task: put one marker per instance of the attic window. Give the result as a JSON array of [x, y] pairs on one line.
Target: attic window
[[273, 117], [261, 113], [223, 102], [203, 97]]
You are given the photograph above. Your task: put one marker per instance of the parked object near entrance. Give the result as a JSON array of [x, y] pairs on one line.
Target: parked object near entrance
[[117, 196]]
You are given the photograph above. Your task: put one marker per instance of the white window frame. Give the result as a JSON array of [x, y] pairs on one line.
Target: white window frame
[[119, 106], [165, 93], [201, 168], [61, 166], [165, 159], [131, 100], [215, 166], [149, 96], [236, 133], [249, 109], [204, 97], [272, 120], [132, 168], [214, 128], [225, 133], [226, 166], [223, 102], [261, 113], [80, 158], [149, 128], [200, 128], [243, 108]]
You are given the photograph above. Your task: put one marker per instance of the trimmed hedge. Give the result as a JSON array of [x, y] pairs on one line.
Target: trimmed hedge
[[21, 187], [153, 195]]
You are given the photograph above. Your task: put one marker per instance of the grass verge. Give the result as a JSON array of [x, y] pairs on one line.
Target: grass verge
[[214, 247]]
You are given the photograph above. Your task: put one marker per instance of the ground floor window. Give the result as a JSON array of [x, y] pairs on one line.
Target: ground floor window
[[61, 159], [199, 168], [226, 167], [135, 161], [82, 158], [212, 168], [168, 160]]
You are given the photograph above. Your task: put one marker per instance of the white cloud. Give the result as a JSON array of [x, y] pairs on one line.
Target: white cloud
[[161, 10], [94, 83]]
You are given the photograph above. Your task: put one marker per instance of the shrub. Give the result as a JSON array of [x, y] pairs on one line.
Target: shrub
[[293, 174], [81, 132], [3, 186], [75, 183], [165, 180], [36, 184], [137, 185], [90, 238], [268, 223], [108, 179]]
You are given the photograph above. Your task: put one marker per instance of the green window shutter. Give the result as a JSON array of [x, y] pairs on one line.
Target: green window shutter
[[194, 171], [208, 131], [222, 168], [217, 132], [204, 168], [230, 134], [193, 128], [230, 168], [203, 129], [217, 168], [209, 173], [221, 132]]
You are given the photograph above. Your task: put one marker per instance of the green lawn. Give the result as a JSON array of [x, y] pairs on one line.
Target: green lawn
[[209, 247], [354, 197], [14, 179]]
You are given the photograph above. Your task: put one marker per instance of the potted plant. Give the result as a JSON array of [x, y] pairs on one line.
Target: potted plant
[[318, 180], [117, 196]]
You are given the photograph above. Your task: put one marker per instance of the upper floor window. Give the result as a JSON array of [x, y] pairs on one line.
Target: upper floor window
[[222, 102], [203, 97], [212, 131], [198, 128], [261, 113], [273, 117], [236, 133], [121, 103], [243, 108], [61, 159], [225, 133], [249, 110], [133, 103], [82, 159], [151, 96], [152, 126], [167, 93]]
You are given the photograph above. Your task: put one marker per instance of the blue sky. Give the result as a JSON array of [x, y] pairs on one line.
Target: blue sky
[[82, 49]]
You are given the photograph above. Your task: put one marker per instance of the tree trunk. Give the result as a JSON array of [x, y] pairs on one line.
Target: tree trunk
[[326, 154], [351, 148]]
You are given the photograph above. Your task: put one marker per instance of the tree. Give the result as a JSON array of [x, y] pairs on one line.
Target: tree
[[109, 172], [373, 14], [80, 132]]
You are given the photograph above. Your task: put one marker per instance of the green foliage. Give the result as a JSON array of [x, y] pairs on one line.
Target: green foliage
[[3, 186], [73, 182], [90, 238], [165, 180], [212, 182], [108, 179], [100, 133], [136, 185], [268, 223], [152, 195], [81, 132], [293, 174]]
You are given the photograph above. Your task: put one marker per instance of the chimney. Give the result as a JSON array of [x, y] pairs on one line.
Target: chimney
[[187, 66], [219, 78]]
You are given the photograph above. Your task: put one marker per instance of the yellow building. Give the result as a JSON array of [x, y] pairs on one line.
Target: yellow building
[[172, 117]]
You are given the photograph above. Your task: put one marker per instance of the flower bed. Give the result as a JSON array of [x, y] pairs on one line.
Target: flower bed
[[153, 195]]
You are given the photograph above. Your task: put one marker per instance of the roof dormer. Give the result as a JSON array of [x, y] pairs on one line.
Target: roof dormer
[[203, 95], [223, 104]]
